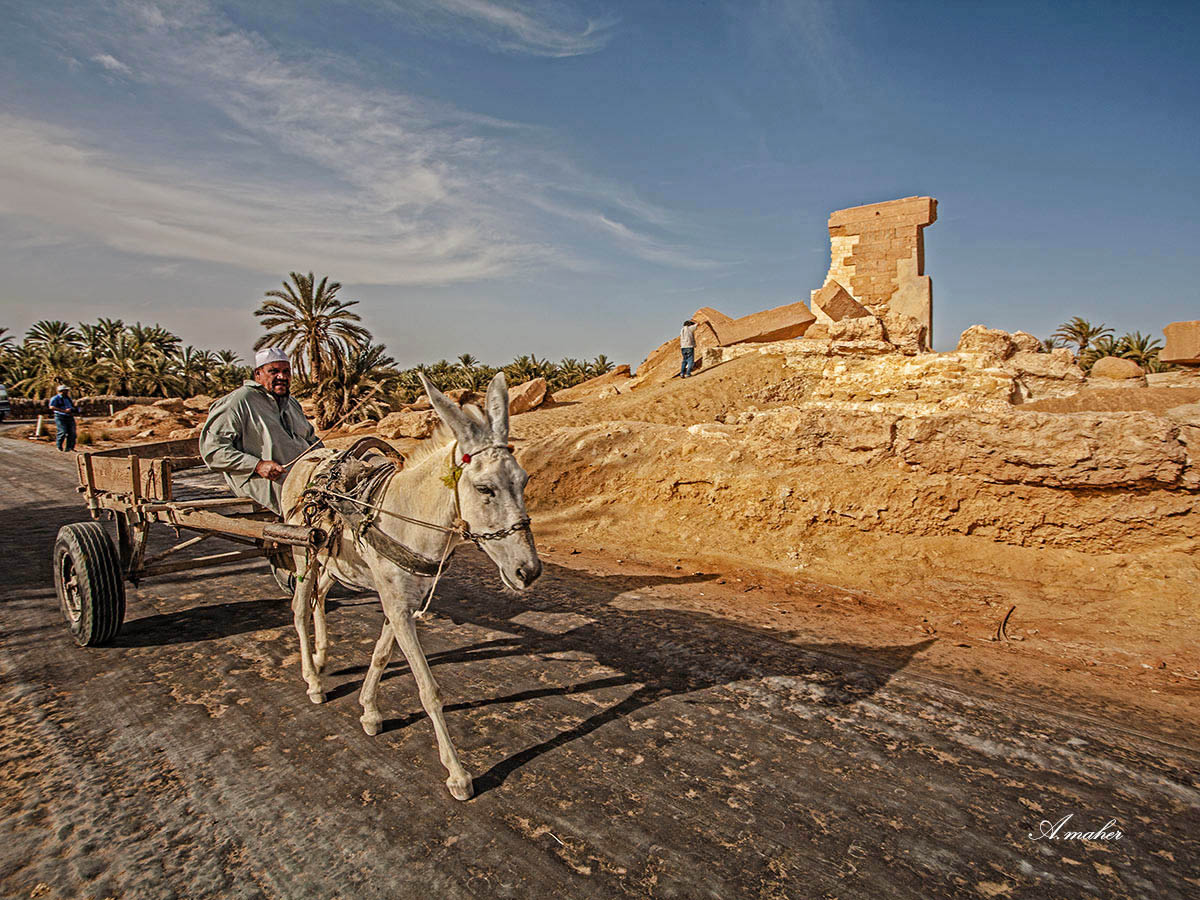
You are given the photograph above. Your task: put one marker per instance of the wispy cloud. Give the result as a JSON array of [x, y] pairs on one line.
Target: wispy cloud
[[52, 178], [537, 29], [111, 63], [806, 38], [377, 185]]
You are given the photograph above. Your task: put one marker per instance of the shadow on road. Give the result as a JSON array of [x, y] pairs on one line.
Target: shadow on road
[[660, 653]]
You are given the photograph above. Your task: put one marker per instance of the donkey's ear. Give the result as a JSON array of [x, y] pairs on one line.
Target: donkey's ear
[[448, 411], [497, 407]]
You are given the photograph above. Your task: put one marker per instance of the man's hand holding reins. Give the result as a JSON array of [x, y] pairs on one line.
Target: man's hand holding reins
[[268, 468]]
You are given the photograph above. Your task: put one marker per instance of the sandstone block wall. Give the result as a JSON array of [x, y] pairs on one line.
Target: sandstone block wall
[[878, 254], [1183, 344]]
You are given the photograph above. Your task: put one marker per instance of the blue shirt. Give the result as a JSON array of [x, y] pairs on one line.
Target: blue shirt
[[62, 405]]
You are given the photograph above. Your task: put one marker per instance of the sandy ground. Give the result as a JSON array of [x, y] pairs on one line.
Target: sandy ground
[[636, 729]]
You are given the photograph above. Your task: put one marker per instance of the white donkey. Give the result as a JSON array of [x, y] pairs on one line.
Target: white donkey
[[470, 487]]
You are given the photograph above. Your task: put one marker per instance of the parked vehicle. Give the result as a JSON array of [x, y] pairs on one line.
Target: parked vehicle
[[5, 409]]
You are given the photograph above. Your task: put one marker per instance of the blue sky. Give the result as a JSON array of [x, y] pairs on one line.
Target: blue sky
[[574, 178]]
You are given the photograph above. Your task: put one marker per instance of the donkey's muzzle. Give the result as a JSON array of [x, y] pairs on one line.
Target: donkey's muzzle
[[528, 573]]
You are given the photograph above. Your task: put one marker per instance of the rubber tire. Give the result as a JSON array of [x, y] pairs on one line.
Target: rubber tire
[[99, 585]]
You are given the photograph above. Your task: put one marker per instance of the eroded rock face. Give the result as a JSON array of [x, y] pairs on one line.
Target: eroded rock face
[[1112, 481], [1026, 342], [408, 424], [199, 402], [1044, 375], [1081, 450], [171, 404], [992, 341], [1117, 368], [527, 396], [906, 333], [864, 328]]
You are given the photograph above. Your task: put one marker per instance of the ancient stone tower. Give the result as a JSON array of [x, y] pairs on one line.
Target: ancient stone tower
[[878, 256]]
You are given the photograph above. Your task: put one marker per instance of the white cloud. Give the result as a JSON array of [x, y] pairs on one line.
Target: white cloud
[[537, 29], [111, 63]]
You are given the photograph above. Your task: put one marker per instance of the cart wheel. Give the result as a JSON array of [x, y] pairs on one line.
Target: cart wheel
[[87, 576]]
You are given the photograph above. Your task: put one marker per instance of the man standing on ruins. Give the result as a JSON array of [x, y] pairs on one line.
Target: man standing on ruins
[[253, 434], [687, 348]]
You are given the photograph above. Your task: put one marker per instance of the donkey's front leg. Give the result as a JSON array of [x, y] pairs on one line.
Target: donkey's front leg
[[320, 631], [405, 630], [301, 611], [371, 719]]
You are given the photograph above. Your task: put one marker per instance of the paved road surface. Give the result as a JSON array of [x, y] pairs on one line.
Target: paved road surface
[[620, 749]]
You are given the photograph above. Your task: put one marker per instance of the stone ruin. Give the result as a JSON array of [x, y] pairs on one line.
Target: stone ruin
[[876, 297], [877, 257], [1183, 344]]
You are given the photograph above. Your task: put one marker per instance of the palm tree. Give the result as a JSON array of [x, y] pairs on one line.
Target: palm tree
[[1051, 343], [308, 321], [193, 367], [356, 382], [158, 376], [51, 365], [227, 372], [600, 366], [568, 373], [1081, 332], [121, 369], [53, 333], [6, 341], [98, 338], [1141, 348], [155, 338]]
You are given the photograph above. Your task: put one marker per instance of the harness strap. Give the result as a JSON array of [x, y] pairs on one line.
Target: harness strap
[[396, 552]]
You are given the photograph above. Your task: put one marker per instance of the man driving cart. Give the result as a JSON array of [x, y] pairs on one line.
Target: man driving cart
[[253, 434]]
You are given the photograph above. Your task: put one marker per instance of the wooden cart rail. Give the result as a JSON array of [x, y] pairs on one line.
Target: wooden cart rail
[[143, 470], [133, 485]]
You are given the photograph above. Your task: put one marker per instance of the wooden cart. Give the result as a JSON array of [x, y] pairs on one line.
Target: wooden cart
[[138, 487]]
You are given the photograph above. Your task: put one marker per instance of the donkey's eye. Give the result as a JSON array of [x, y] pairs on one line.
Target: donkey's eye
[[485, 490]]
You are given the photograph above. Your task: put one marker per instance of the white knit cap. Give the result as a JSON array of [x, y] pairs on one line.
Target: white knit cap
[[269, 355], [61, 388]]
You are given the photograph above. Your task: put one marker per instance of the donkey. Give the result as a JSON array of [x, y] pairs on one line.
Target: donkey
[[467, 485]]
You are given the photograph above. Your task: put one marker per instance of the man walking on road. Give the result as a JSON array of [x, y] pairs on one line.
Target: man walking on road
[[64, 419], [253, 434], [687, 348]]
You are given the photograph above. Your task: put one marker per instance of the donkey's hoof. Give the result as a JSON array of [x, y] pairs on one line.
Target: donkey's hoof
[[370, 726], [461, 790], [316, 696]]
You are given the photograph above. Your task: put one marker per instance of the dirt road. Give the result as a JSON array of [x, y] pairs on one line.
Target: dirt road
[[621, 746]]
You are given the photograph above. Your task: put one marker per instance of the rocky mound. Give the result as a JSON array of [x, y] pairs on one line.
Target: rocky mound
[[861, 465]]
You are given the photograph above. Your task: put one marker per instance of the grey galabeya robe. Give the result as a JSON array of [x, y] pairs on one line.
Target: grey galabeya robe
[[249, 425]]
